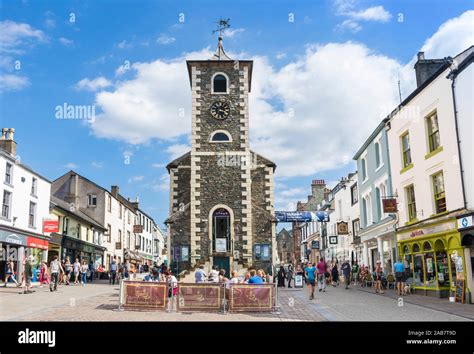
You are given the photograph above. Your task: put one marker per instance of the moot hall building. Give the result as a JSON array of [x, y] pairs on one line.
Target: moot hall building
[[221, 192]]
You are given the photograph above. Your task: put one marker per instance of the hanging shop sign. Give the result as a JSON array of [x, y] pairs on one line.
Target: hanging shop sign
[[50, 226], [137, 229], [389, 205], [315, 245], [342, 228], [333, 240], [465, 222]]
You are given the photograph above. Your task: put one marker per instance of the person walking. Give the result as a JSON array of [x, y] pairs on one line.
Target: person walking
[[28, 275], [378, 277], [335, 275], [113, 271], [321, 267], [355, 272], [67, 270], [346, 271], [10, 273], [200, 274], [281, 276], [55, 269], [75, 267], [310, 272], [400, 276], [84, 268], [43, 278], [289, 274], [91, 271]]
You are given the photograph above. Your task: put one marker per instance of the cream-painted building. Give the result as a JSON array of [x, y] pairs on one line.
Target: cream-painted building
[[426, 177]]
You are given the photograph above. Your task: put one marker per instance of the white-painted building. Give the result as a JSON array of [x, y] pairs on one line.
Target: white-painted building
[[159, 246], [426, 177], [145, 238], [25, 204]]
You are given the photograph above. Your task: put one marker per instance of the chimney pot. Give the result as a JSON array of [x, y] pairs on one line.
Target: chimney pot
[[4, 133], [11, 134], [421, 55]]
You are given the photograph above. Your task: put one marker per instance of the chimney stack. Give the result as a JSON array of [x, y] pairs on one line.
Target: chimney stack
[[6, 142], [425, 68], [114, 190]]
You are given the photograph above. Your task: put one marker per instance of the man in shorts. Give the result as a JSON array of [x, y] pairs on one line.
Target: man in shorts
[[310, 272], [400, 276]]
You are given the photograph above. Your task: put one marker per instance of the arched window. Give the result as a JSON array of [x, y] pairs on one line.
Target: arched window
[[406, 250], [416, 248], [220, 136], [427, 246], [219, 84]]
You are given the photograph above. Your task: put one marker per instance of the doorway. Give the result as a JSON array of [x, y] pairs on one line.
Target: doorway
[[221, 230], [222, 263]]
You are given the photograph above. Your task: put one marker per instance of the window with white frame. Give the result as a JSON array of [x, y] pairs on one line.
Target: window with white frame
[[9, 173], [91, 200], [34, 186], [383, 194], [6, 204], [378, 154], [32, 215], [363, 163]]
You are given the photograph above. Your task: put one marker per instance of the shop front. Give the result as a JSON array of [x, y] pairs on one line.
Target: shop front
[[83, 250], [433, 256], [466, 229]]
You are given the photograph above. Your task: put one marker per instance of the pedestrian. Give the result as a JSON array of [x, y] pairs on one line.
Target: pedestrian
[[67, 270], [55, 269], [310, 272], [10, 273], [355, 272], [172, 284], [126, 269], [335, 275], [213, 275], [234, 278], [75, 268], [43, 278], [200, 274], [289, 275], [84, 268], [91, 271], [222, 277], [28, 275], [281, 276], [346, 272], [400, 276], [378, 277], [254, 278], [113, 271], [153, 276], [262, 275], [247, 278], [321, 267]]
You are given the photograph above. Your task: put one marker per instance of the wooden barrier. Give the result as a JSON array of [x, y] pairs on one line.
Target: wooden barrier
[[200, 297], [141, 295], [252, 297]]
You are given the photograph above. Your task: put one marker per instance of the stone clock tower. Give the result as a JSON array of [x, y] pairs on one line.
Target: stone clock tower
[[221, 195]]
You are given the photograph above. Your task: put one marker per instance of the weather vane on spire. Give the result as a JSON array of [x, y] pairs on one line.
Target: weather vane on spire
[[222, 25]]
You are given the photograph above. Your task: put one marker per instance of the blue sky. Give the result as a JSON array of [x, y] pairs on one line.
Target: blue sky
[[332, 52]]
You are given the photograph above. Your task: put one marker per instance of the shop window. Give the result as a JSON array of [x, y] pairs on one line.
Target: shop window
[[442, 267], [416, 248], [430, 279], [6, 204], [419, 277], [262, 252], [406, 249]]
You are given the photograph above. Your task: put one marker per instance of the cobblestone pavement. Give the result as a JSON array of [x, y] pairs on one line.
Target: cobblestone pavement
[[99, 302]]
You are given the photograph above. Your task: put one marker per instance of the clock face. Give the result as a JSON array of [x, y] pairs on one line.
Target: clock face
[[220, 110]]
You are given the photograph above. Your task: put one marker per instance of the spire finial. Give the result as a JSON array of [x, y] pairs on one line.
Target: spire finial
[[220, 54]]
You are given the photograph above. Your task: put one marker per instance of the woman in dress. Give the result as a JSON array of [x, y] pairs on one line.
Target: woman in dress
[[43, 274], [281, 276]]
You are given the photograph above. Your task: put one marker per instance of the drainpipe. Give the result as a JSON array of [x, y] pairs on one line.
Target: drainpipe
[[453, 86]]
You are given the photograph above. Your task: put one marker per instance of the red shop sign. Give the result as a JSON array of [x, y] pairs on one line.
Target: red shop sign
[[50, 226], [37, 243]]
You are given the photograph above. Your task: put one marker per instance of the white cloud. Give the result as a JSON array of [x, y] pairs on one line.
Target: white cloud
[[14, 36], [165, 39], [136, 179], [176, 150], [124, 45], [93, 85], [158, 165], [280, 56], [350, 25], [13, 82], [452, 37], [71, 166], [229, 33], [65, 41], [50, 23], [375, 13]]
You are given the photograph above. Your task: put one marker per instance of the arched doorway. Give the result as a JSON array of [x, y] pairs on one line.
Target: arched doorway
[[221, 234]]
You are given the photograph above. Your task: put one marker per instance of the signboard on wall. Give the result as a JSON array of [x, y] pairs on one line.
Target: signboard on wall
[[315, 245], [389, 205], [465, 222], [301, 216], [221, 245], [342, 228]]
